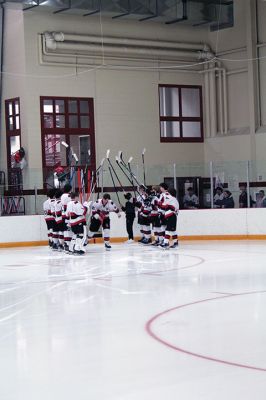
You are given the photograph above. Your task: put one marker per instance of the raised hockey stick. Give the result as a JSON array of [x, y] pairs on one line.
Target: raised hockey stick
[[130, 171], [133, 177], [111, 166], [118, 161], [143, 164], [72, 176], [116, 191], [95, 177]]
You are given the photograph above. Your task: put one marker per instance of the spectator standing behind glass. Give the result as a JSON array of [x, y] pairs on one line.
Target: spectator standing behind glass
[[243, 198], [129, 210], [261, 199], [190, 200], [218, 198], [228, 201]]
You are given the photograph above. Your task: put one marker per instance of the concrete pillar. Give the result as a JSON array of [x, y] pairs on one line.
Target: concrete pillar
[[251, 25], [213, 102]]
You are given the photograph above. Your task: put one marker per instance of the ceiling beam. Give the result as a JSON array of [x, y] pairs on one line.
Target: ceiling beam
[[183, 18], [64, 9], [33, 6]]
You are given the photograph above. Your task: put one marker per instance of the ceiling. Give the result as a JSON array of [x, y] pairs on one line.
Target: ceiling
[[216, 14]]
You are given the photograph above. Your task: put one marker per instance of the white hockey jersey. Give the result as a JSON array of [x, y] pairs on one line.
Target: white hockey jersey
[[169, 204], [75, 213], [47, 210], [141, 198], [52, 205], [104, 210], [58, 211], [65, 199], [155, 206]]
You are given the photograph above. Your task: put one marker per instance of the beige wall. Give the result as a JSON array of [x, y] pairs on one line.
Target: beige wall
[[14, 79], [126, 101]]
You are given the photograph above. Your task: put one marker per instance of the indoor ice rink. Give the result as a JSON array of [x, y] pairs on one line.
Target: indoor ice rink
[[134, 323], [132, 196]]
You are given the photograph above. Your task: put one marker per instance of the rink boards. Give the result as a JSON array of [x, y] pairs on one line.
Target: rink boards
[[192, 224]]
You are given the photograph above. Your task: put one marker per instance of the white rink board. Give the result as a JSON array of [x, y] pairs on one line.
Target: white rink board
[[190, 223], [212, 222], [26, 228], [256, 221]]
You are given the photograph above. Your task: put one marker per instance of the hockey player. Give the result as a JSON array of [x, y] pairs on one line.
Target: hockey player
[[55, 231], [170, 207], [163, 190], [65, 199], [141, 221], [155, 215], [59, 226], [100, 218], [76, 214], [145, 214], [49, 218]]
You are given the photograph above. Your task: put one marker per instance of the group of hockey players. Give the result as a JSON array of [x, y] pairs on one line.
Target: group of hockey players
[[67, 217], [157, 213]]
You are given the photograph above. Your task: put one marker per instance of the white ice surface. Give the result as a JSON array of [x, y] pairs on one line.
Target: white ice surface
[[75, 327]]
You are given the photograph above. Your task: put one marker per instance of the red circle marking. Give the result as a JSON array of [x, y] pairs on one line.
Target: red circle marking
[[150, 332]]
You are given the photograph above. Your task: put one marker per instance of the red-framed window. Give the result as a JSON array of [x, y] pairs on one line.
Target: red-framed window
[[67, 120], [13, 141], [13, 131], [181, 113]]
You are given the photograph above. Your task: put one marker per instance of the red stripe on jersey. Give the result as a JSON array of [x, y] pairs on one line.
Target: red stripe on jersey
[[169, 215], [78, 222]]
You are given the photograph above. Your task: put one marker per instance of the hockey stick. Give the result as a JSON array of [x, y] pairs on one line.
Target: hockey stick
[[143, 164], [134, 178], [131, 182], [116, 191], [97, 176], [130, 171], [75, 157], [111, 166]]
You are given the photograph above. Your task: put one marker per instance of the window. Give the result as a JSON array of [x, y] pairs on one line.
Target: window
[[70, 121], [181, 118], [13, 141]]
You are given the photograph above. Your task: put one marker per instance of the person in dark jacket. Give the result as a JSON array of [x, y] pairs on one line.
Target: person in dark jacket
[[129, 210], [228, 201], [243, 197]]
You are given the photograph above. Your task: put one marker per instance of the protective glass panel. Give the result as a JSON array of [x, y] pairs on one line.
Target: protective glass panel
[[191, 129], [170, 129], [190, 102], [169, 102], [55, 152]]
